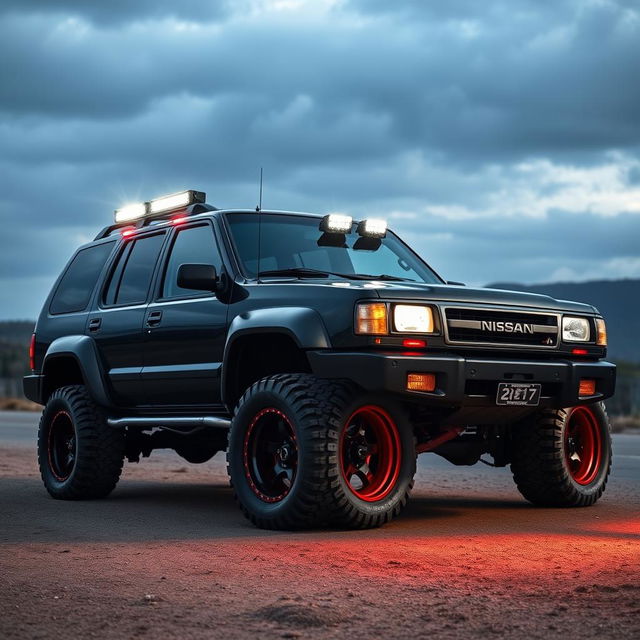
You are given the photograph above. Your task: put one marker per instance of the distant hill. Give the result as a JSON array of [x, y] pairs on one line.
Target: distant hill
[[617, 300]]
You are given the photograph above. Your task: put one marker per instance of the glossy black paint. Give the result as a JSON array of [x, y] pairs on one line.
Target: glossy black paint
[[175, 355]]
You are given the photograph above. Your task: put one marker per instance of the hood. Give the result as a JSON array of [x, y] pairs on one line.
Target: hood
[[461, 294], [436, 293]]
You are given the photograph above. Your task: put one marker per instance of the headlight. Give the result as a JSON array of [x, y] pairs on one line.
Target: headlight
[[575, 329], [601, 329], [411, 318], [371, 319]]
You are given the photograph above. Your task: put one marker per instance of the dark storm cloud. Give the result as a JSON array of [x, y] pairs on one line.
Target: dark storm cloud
[[490, 84], [116, 12], [424, 110]]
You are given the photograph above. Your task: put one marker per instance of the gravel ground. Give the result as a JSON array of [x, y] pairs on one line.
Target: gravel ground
[[170, 556]]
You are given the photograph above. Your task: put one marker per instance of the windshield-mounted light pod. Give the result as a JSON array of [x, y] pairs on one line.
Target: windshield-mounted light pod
[[372, 228], [176, 201], [336, 223], [130, 212]]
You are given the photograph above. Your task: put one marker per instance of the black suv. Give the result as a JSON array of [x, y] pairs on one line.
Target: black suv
[[323, 354]]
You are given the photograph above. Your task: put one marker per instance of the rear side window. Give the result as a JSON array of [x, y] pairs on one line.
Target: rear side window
[[77, 284], [131, 277], [192, 245]]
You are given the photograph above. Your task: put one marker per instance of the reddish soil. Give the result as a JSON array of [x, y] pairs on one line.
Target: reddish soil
[[170, 556]]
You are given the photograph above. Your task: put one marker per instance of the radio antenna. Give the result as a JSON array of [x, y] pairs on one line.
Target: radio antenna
[[259, 212]]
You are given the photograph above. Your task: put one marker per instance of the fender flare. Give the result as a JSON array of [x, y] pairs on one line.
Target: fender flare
[[302, 324], [83, 350]]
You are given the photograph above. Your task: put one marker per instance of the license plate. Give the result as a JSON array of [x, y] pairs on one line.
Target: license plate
[[519, 394]]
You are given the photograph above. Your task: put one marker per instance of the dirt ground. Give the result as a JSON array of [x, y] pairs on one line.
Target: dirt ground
[[170, 556]]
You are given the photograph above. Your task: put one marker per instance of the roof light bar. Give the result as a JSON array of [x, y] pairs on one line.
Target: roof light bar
[[173, 202], [372, 228], [130, 212], [336, 223], [176, 201]]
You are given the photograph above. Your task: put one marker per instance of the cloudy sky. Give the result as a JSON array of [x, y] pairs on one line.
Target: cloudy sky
[[500, 138]]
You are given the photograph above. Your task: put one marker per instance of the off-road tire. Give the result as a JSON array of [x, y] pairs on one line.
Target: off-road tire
[[99, 449], [540, 465], [316, 410]]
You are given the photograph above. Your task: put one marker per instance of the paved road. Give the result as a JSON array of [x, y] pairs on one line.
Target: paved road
[[169, 555]]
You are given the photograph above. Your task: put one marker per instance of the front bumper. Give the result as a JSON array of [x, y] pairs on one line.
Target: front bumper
[[466, 382]]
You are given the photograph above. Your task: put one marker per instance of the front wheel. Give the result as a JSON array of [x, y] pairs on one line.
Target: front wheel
[[562, 458], [305, 452]]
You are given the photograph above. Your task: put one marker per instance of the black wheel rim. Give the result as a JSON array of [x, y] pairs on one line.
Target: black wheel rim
[[270, 455], [62, 446]]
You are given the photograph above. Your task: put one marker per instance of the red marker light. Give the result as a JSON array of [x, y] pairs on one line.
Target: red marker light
[[412, 343], [128, 232], [580, 352], [32, 352], [179, 220]]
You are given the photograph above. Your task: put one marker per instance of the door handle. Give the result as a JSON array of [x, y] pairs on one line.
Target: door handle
[[94, 324], [154, 318]]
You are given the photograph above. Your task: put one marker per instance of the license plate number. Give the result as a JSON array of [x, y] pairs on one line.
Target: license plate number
[[518, 394]]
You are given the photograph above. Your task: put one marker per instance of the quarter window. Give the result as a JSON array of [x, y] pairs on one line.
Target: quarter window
[[77, 284]]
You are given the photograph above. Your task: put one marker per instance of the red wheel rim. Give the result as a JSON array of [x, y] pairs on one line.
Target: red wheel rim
[[370, 453], [583, 446], [270, 455], [61, 446]]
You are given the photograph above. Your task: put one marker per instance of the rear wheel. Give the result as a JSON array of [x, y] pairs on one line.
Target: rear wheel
[[79, 455], [562, 458], [305, 452]]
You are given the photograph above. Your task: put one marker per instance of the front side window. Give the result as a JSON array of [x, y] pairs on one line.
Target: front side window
[[193, 245], [131, 277], [295, 242], [77, 284]]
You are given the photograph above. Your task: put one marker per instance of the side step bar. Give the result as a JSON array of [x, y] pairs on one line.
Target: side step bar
[[193, 423]]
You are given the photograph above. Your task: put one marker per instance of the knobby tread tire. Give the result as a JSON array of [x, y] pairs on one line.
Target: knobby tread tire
[[320, 498], [538, 461], [100, 448]]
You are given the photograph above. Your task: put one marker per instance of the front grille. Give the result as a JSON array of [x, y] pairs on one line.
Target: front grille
[[488, 326]]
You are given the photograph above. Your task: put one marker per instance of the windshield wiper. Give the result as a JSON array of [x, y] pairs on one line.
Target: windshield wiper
[[383, 276], [299, 272], [305, 272]]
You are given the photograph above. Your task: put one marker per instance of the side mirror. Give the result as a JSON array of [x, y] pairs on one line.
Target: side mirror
[[457, 284], [201, 277]]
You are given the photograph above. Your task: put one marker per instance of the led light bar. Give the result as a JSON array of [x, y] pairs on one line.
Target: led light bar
[[130, 212], [336, 223], [373, 228], [175, 201]]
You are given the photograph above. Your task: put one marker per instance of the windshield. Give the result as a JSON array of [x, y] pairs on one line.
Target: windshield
[[295, 243]]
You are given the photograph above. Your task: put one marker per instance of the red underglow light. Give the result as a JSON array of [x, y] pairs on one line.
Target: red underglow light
[[32, 352], [580, 352], [412, 343]]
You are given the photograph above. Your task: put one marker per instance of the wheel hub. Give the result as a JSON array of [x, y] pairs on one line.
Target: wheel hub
[[270, 455], [583, 445], [370, 453], [61, 444]]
